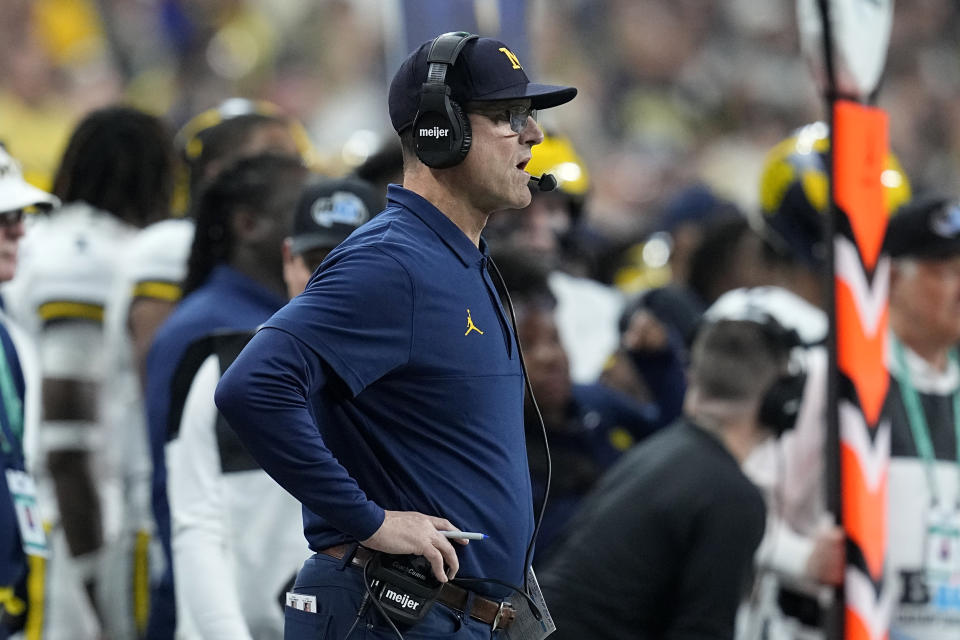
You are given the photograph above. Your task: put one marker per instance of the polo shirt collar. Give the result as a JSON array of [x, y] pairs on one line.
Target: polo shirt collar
[[226, 277], [448, 232]]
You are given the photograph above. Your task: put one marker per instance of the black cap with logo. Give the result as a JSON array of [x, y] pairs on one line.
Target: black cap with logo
[[330, 210], [486, 69], [927, 227]]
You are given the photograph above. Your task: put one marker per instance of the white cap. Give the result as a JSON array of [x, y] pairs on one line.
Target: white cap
[[788, 309], [17, 193]]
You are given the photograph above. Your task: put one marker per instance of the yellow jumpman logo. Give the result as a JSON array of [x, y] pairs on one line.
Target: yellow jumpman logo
[[471, 326]]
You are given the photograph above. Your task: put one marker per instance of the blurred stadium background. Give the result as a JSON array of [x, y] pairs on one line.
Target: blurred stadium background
[[671, 91]]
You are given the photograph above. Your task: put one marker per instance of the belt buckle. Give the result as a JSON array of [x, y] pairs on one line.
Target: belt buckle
[[496, 618]]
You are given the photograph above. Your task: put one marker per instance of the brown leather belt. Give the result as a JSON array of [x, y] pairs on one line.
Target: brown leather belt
[[499, 615]]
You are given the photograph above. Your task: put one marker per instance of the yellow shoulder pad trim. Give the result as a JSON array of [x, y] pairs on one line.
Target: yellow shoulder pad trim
[[158, 290], [68, 310]]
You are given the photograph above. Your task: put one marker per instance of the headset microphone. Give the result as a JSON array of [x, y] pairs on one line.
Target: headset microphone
[[546, 182]]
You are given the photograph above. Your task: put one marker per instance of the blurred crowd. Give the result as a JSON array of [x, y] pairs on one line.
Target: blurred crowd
[[672, 191], [670, 92]]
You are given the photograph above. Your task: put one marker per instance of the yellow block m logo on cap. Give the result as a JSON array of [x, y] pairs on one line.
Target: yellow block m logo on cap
[[512, 57]]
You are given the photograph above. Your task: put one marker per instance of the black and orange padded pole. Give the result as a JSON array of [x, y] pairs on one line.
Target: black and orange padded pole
[[858, 442]]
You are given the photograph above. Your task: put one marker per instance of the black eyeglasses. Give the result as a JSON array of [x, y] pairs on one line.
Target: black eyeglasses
[[516, 114], [10, 218]]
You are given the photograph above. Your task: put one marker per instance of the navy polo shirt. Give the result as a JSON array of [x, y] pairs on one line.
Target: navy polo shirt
[[227, 300], [393, 382]]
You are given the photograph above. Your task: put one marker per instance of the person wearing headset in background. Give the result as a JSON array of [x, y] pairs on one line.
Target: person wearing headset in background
[[672, 528], [23, 544], [388, 397]]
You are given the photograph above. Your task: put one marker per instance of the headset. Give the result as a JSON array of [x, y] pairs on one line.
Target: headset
[[780, 403], [441, 130]]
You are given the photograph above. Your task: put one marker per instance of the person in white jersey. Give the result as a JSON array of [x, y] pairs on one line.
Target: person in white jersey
[[115, 176]]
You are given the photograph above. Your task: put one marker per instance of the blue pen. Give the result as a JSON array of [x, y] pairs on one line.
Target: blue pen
[[464, 535]]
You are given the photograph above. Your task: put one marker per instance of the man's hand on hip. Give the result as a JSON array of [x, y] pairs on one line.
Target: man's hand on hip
[[418, 534]]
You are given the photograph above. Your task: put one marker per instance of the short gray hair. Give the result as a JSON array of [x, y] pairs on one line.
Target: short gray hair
[[736, 360]]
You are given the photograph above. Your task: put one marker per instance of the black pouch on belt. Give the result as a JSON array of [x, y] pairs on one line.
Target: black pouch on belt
[[403, 585]]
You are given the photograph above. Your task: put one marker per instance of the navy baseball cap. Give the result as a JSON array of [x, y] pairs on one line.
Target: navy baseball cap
[[927, 227], [486, 69], [330, 210]]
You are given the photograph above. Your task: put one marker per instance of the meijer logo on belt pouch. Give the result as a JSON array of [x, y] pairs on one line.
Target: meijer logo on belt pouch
[[405, 601]]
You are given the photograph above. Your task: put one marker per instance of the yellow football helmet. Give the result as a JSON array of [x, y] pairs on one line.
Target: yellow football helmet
[[795, 191]]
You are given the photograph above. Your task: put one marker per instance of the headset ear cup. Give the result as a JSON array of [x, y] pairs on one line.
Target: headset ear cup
[[441, 132], [438, 131], [781, 403], [466, 131]]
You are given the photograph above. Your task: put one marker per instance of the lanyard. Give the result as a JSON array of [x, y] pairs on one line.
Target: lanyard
[[918, 419], [11, 419]]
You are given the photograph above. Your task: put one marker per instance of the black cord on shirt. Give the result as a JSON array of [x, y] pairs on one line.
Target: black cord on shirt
[[527, 561]]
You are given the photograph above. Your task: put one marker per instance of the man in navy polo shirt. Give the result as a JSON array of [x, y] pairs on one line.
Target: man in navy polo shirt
[[388, 398]]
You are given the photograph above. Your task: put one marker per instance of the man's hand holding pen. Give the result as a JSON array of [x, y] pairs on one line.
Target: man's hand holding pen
[[418, 534]]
